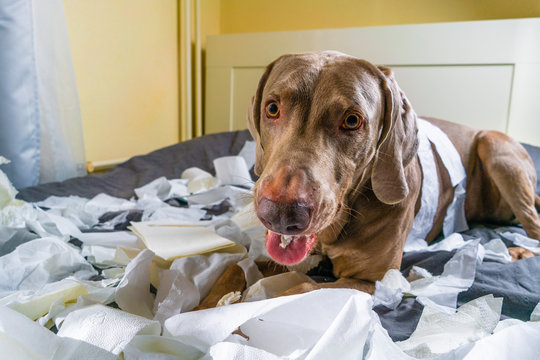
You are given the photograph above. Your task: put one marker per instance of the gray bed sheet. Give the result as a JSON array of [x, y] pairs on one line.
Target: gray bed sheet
[[516, 282]]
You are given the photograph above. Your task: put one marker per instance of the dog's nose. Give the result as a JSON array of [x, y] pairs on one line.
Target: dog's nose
[[287, 219]]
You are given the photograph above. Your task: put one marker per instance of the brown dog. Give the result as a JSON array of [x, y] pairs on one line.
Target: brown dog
[[339, 172]]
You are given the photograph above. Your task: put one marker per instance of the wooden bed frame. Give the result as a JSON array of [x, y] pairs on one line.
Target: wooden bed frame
[[485, 74]]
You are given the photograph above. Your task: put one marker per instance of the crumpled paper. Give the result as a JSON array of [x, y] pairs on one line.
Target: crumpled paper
[[189, 280], [283, 326], [159, 348], [199, 180], [535, 315], [105, 327], [38, 262], [171, 241], [7, 191], [251, 271], [72, 208], [438, 332], [389, 291], [457, 276], [496, 250], [233, 170], [36, 303], [188, 216], [250, 226], [221, 333], [515, 342], [248, 153], [238, 197], [133, 292], [21, 338], [163, 189]]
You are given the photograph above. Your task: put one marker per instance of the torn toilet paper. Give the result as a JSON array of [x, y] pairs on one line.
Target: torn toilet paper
[[105, 327], [7, 191], [438, 332], [457, 276]]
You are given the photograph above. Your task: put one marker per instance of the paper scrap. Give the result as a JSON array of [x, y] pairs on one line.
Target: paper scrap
[[160, 348], [173, 241], [159, 188], [133, 292], [389, 291], [496, 250], [72, 208], [248, 153], [238, 197], [17, 214], [100, 256], [230, 298], [22, 338], [233, 170], [188, 281], [251, 271], [458, 275], [102, 203], [105, 327], [7, 191], [439, 333], [292, 314], [36, 303], [199, 180], [111, 239], [535, 315], [514, 342], [246, 217], [185, 216], [38, 262]]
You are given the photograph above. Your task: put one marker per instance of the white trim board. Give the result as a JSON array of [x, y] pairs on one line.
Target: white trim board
[[485, 74]]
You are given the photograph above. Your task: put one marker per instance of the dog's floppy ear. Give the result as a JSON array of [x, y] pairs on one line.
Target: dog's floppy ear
[[254, 118], [397, 144]]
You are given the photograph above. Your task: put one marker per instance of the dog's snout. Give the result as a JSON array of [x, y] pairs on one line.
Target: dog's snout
[[288, 219]]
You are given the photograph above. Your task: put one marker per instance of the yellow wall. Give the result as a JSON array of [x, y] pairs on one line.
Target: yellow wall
[[210, 19], [125, 54], [238, 16]]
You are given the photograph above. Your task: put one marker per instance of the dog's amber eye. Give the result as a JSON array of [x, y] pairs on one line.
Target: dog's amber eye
[[351, 122], [272, 110]]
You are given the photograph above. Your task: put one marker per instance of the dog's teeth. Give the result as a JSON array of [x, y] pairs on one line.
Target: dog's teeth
[[285, 240]]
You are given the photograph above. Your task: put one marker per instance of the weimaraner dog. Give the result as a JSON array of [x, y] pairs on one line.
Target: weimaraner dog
[[339, 173]]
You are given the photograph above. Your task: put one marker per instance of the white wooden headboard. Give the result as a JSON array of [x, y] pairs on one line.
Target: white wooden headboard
[[485, 74]]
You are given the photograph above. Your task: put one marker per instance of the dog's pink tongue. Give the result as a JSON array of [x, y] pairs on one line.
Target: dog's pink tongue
[[293, 253]]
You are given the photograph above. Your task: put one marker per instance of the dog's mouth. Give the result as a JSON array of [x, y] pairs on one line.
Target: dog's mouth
[[289, 249]]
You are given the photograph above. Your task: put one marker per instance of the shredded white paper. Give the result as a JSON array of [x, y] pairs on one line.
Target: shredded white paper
[[47, 277]]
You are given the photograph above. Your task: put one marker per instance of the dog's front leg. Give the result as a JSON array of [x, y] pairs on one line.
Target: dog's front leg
[[349, 283], [231, 280]]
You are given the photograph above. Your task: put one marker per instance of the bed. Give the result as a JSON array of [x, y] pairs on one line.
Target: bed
[[332, 324]]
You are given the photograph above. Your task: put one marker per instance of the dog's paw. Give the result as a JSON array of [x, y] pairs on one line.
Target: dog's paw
[[518, 253]]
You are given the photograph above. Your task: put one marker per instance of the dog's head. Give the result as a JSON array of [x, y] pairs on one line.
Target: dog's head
[[327, 125]]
